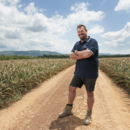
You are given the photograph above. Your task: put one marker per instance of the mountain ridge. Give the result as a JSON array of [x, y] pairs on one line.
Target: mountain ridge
[[36, 53]]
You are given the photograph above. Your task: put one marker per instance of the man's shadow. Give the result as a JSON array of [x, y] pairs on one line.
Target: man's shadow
[[66, 123]]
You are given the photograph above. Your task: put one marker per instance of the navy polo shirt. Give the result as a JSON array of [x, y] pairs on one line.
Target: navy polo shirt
[[88, 67]]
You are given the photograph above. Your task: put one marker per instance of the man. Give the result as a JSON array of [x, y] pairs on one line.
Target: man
[[85, 52]]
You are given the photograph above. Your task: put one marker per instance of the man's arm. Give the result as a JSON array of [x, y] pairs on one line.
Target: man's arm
[[84, 54], [74, 56], [77, 55]]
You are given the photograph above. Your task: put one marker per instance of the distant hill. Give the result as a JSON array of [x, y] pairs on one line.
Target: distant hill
[[29, 53], [35, 53], [105, 54]]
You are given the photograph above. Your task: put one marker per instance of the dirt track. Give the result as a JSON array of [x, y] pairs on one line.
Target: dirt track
[[38, 110]]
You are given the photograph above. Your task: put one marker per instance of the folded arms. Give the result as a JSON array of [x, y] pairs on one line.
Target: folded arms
[[77, 55]]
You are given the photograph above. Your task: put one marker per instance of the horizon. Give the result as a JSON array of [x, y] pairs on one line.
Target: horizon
[[57, 52]]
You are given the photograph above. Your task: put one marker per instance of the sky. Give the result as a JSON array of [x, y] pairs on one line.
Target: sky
[[51, 24]]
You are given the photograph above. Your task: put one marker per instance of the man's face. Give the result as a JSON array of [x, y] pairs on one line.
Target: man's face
[[82, 33]]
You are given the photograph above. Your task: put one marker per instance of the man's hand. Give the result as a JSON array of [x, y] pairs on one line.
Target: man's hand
[[76, 52], [74, 56]]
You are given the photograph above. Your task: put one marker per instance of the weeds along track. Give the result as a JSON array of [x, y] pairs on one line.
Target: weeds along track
[[19, 76], [118, 69]]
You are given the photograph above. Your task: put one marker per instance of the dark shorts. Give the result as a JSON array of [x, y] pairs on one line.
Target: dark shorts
[[78, 82]]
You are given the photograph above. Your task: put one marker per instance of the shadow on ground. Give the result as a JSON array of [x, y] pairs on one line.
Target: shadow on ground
[[66, 123]]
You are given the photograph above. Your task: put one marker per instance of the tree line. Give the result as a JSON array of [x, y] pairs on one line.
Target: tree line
[[113, 56], [14, 57], [53, 56]]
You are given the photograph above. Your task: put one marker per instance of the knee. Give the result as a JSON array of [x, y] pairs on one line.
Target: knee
[[72, 89], [90, 94]]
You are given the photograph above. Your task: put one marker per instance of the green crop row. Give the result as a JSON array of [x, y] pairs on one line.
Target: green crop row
[[118, 69], [19, 76]]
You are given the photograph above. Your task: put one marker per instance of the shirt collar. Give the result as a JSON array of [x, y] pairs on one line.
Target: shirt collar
[[87, 40]]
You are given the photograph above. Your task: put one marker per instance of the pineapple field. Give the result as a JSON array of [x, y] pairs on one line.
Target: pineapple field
[[118, 69], [17, 77]]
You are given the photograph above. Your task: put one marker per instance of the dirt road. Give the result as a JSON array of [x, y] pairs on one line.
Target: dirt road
[[38, 110]]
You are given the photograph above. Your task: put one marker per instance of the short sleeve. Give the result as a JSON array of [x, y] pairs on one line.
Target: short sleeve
[[93, 46]]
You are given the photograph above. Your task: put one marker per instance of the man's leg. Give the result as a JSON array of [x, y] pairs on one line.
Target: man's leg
[[90, 85], [90, 100], [72, 93], [67, 111], [76, 81]]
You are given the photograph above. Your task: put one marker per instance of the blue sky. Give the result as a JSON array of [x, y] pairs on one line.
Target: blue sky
[[51, 25]]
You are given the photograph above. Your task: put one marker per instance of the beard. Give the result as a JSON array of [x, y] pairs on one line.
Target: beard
[[84, 37]]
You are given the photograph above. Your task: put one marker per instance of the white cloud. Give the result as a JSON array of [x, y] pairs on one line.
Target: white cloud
[[126, 51], [104, 1], [99, 44], [117, 36], [20, 5], [122, 51], [11, 2], [96, 30], [82, 6], [12, 34], [3, 1], [111, 43], [82, 14], [33, 30], [31, 9], [123, 5], [42, 10]]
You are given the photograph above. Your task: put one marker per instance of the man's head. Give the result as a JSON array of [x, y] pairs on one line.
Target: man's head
[[82, 32]]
